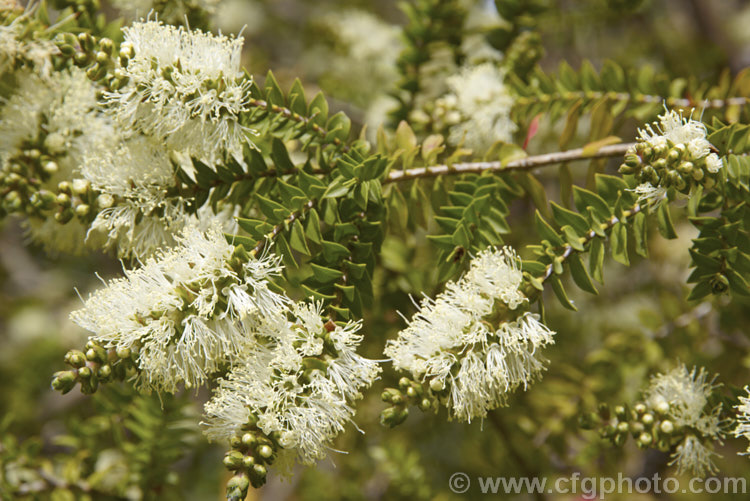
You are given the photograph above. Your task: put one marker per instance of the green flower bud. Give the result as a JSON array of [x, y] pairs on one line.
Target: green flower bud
[[258, 475], [639, 408], [645, 439], [248, 462], [666, 427], [623, 427], [50, 168], [662, 408], [393, 416], [249, 439], [237, 487], [75, 359], [82, 210], [64, 381], [265, 451], [425, 405], [647, 419], [404, 383], [233, 460]]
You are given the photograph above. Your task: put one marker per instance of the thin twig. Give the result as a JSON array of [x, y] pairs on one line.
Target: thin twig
[[526, 163]]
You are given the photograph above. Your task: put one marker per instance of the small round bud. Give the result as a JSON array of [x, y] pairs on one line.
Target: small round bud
[[425, 405], [404, 383], [248, 462], [411, 392], [64, 381], [265, 451], [63, 199], [123, 353], [82, 210], [645, 438], [437, 385], [260, 470], [105, 201], [50, 167], [660, 164], [102, 58], [640, 408], [662, 407], [84, 372], [80, 186], [623, 427], [666, 427], [105, 371], [647, 419], [620, 412], [81, 59], [248, 439], [233, 459]]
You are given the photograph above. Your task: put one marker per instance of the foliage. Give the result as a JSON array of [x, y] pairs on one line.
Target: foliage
[[271, 235]]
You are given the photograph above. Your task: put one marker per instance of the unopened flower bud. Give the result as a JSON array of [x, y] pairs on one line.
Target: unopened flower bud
[[666, 427]]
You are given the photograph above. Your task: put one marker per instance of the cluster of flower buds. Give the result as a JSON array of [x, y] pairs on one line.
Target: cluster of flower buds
[[650, 427], [94, 366], [25, 187], [98, 57], [673, 156], [670, 165], [249, 457], [409, 392]]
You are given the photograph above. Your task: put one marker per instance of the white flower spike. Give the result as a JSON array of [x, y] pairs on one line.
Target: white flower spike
[[185, 88], [471, 342]]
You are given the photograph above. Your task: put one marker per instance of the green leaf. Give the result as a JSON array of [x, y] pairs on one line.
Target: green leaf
[[325, 275], [666, 228], [580, 275], [313, 227], [559, 291], [280, 156], [546, 231], [596, 260], [584, 198], [609, 187], [333, 252], [571, 236], [619, 243], [274, 211], [640, 234], [564, 217], [318, 110], [297, 239], [701, 290]]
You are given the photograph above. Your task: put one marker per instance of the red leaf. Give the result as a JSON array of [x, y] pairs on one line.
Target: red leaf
[[533, 128]]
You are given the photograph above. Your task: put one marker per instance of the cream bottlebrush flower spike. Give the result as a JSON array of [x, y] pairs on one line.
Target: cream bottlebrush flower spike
[[19, 47], [136, 212], [185, 88], [46, 128], [743, 418], [471, 344], [674, 153], [478, 107], [682, 396], [186, 312], [297, 385]]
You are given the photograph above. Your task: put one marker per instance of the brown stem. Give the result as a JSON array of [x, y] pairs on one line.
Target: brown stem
[[520, 164]]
